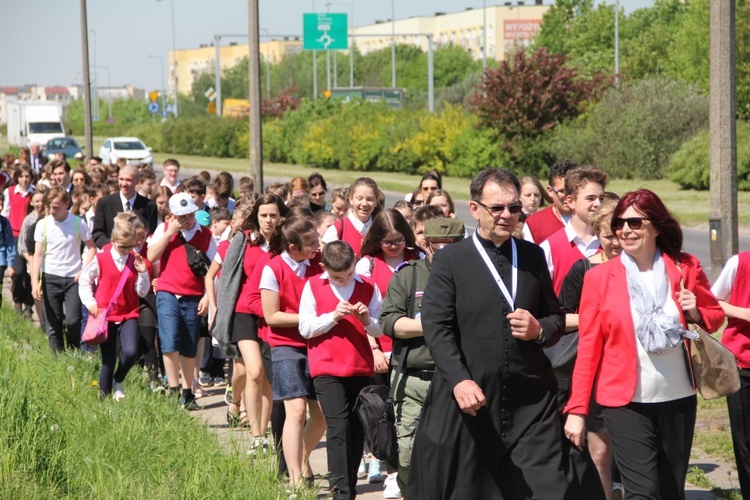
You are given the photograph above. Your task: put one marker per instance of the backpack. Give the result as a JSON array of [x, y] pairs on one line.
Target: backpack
[[374, 406], [375, 409]]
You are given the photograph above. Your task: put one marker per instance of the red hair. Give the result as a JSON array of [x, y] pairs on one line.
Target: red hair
[[649, 204]]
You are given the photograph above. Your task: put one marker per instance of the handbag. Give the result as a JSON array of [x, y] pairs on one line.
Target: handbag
[[97, 328], [197, 260], [714, 366]]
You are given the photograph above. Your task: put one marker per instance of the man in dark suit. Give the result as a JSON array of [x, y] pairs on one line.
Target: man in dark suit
[[490, 427], [37, 159], [126, 199]]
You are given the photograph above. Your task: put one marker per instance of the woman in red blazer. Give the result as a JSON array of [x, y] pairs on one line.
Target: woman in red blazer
[[632, 350]]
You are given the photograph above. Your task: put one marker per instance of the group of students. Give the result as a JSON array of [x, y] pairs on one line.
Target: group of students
[[297, 292]]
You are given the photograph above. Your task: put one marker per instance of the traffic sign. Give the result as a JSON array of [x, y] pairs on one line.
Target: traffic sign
[[153, 95], [153, 107], [210, 94], [211, 109], [324, 31]]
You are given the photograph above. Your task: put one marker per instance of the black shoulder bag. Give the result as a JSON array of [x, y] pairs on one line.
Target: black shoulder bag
[[197, 260]]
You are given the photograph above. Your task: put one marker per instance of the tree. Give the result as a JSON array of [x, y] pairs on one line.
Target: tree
[[531, 94], [526, 97]]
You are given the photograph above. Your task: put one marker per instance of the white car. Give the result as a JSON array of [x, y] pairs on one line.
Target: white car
[[130, 148]]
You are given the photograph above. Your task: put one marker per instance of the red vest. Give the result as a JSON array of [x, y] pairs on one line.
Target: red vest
[[348, 233], [381, 274], [176, 276], [290, 291], [255, 305], [253, 256], [543, 224], [19, 206], [127, 304], [564, 254], [344, 351], [736, 336]]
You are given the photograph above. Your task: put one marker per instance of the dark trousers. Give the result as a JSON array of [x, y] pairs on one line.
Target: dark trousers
[[62, 312], [147, 336], [739, 420], [21, 283], [345, 437], [128, 333], [652, 442]]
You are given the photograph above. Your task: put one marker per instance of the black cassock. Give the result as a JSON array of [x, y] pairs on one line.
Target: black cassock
[[513, 447]]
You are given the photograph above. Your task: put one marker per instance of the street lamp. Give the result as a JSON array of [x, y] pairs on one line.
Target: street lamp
[[351, 41], [267, 59], [109, 90], [393, 44], [174, 66], [161, 67], [95, 110], [484, 35]]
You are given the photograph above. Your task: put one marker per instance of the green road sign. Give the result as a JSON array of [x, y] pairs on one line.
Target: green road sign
[[324, 31]]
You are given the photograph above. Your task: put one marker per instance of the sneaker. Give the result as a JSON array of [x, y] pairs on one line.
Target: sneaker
[[119, 391], [228, 395], [374, 475], [205, 380], [189, 403], [362, 471], [391, 489], [219, 381], [198, 391], [617, 491], [258, 446]]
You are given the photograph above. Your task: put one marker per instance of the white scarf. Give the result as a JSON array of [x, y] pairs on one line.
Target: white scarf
[[656, 331]]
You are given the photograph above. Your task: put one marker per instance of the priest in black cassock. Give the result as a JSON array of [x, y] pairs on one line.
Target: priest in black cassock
[[490, 427]]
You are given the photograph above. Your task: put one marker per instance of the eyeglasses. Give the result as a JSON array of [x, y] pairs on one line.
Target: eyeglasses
[[416, 203], [126, 247], [633, 223], [498, 210], [557, 191], [393, 243]]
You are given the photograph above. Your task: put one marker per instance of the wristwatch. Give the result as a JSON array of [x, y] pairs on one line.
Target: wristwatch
[[541, 339]]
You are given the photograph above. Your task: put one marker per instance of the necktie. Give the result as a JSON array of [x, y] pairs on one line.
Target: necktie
[[127, 206]]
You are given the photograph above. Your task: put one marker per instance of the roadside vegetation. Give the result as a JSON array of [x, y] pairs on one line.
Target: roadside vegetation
[[58, 440]]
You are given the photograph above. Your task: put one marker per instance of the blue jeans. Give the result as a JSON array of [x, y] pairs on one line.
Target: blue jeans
[[179, 323]]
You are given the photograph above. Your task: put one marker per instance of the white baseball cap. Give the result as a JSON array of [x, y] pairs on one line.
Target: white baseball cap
[[182, 204]]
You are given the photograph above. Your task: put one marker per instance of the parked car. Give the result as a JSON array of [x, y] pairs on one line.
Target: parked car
[[67, 145], [130, 148]]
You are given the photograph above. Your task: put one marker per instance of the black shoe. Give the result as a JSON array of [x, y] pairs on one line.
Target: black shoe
[[189, 403]]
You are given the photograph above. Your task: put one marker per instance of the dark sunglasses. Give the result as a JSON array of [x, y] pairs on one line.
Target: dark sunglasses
[[498, 210], [633, 223]]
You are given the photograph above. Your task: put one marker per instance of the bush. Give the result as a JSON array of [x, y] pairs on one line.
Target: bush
[[690, 166], [633, 132]]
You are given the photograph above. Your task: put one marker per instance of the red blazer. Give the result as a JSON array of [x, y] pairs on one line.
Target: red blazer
[[607, 354]]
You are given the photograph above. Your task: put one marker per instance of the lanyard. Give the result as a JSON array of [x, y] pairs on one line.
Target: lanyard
[[509, 296]]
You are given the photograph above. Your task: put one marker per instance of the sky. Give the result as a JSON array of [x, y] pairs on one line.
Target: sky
[[40, 42]]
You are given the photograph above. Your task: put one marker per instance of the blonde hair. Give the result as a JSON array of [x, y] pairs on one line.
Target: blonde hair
[[125, 224]]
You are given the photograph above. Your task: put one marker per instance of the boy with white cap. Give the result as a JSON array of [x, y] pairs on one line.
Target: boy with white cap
[[179, 291]]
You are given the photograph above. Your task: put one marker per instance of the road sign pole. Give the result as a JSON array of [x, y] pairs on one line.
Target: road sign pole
[[328, 70], [315, 74]]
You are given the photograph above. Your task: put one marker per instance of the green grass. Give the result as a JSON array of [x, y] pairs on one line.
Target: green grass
[[691, 207], [58, 440]]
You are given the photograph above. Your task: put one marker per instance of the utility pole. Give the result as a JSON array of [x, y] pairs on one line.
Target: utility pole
[[256, 130], [86, 81], [724, 239]]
